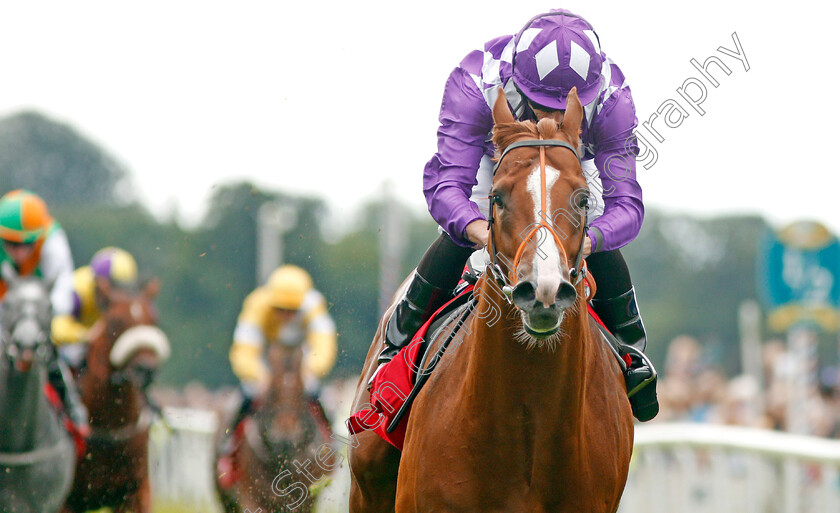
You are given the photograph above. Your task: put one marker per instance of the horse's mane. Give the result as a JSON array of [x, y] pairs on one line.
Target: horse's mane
[[505, 134]]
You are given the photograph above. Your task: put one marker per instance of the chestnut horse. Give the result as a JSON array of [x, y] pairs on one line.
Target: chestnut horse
[[126, 348], [528, 412], [274, 461]]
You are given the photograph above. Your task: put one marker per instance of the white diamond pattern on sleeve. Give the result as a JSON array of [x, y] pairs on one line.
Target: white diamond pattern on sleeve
[[579, 60], [547, 60], [490, 69]]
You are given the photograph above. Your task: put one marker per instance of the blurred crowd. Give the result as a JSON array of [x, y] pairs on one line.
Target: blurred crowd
[[692, 389]]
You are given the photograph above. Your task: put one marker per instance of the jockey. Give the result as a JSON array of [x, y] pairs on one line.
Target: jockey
[[286, 310], [35, 244], [536, 69], [112, 264]]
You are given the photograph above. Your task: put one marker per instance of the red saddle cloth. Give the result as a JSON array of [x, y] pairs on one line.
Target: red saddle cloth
[[228, 472], [392, 385]]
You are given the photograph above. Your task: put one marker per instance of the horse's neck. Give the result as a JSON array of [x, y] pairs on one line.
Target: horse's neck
[[286, 395], [23, 409], [110, 405], [504, 372], [286, 384]]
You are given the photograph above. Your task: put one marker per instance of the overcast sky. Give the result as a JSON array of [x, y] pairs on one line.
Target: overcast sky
[[331, 98]]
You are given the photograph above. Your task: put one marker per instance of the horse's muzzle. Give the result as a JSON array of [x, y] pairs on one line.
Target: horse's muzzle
[[542, 321], [524, 296]]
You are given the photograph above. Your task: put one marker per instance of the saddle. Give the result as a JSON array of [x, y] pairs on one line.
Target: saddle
[[398, 382]]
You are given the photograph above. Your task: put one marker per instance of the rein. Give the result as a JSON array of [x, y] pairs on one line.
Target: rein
[[506, 281], [12, 459], [121, 434]]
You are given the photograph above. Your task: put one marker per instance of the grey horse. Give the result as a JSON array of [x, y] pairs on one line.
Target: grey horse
[[37, 456]]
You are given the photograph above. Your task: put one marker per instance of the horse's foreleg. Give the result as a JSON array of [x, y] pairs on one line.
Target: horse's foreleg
[[229, 504], [144, 497], [374, 464], [138, 501]]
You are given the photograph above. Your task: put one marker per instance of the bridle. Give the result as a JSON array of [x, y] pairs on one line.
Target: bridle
[[34, 314], [506, 281]]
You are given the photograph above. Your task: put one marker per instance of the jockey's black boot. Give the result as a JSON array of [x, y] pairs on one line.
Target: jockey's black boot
[[244, 410], [621, 316], [227, 443], [62, 381], [419, 303], [245, 405]]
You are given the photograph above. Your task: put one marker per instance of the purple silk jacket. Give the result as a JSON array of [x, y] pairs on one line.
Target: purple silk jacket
[[465, 147]]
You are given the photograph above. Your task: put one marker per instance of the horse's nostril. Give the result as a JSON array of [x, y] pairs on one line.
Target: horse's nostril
[[566, 295], [524, 295]]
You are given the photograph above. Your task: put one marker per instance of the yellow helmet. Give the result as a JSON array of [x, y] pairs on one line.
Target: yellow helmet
[[287, 287]]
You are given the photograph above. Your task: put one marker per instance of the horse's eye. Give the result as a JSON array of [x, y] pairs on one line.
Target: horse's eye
[[583, 202], [496, 199]]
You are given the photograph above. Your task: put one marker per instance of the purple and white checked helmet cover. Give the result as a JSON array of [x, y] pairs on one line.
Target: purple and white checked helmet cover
[[554, 52], [116, 265]]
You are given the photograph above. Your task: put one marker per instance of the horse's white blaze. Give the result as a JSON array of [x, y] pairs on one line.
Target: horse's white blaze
[[137, 338], [545, 269], [136, 310]]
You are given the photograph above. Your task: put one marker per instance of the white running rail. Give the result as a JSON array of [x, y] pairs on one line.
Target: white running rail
[[699, 468], [182, 467], [181, 461]]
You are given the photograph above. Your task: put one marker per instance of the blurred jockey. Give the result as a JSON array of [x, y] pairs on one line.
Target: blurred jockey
[[35, 244], [114, 265], [536, 69], [286, 310]]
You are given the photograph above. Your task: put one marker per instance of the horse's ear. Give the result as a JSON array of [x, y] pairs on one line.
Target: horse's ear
[[152, 288], [501, 111], [7, 271], [573, 117]]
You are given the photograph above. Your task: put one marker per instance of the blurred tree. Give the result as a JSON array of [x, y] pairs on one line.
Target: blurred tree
[[55, 161], [222, 269], [193, 289], [691, 276]]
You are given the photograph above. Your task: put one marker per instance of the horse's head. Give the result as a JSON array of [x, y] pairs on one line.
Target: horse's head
[[285, 362], [537, 213], [128, 333], [25, 319], [283, 418]]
